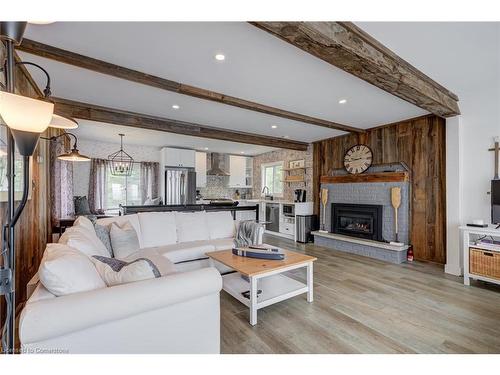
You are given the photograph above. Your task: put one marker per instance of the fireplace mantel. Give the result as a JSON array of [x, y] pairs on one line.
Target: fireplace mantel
[[367, 177]]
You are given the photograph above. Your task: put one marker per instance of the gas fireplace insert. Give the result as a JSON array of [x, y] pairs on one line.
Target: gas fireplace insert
[[358, 220]]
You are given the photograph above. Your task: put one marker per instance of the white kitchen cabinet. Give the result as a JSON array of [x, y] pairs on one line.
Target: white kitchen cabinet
[[240, 169], [178, 157], [201, 169]]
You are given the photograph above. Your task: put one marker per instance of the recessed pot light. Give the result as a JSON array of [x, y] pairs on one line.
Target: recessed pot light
[[176, 106], [274, 126], [342, 101], [220, 57], [286, 136], [242, 152], [206, 148]]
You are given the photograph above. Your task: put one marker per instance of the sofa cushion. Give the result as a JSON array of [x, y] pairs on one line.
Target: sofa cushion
[[64, 270], [133, 219], [222, 243], [191, 226], [157, 228], [124, 240], [220, 224], [84, 240], [185, 251]]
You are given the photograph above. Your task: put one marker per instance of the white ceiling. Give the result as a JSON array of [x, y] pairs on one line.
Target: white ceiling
[[462, 56], [91, 130], [258, 67]]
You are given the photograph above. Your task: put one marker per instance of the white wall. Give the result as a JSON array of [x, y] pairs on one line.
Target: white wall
[[465, 58], [96, 149]]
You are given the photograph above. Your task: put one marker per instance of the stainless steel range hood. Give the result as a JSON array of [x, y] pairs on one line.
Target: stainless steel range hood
[[215, 169]]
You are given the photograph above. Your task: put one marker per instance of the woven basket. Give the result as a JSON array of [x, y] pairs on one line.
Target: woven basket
[[484, 263]]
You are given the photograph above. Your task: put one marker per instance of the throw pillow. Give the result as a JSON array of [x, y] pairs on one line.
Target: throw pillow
[[114, 271], [84, 240], [124, 240], [102, 232], [64, 270], [81, 205], [84, 222]]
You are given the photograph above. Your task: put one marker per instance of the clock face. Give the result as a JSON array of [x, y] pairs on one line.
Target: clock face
[[358, 159]]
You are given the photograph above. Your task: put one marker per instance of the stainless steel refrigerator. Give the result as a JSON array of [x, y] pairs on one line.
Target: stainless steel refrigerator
[[180, 185]]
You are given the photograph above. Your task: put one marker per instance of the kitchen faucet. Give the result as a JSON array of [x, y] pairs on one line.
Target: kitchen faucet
[[265, 191]]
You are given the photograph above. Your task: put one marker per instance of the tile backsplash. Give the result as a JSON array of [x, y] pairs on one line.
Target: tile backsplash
[[218, 187]]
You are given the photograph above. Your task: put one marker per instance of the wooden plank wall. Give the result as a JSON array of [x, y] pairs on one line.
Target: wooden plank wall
[[33, 228], [420, 143]]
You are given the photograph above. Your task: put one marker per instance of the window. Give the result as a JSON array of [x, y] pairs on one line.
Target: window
[[272, 177], [124, 190]]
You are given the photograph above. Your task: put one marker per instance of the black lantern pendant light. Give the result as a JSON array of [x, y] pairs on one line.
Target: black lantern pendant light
[[121, 163]]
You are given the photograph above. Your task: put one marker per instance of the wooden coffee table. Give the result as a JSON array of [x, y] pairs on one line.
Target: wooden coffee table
[[266, 276]]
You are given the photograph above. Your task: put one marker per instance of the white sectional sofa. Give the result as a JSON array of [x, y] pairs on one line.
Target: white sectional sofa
[[176, 313]]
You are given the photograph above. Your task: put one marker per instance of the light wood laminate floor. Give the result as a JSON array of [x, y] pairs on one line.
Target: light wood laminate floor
[[363, 305]]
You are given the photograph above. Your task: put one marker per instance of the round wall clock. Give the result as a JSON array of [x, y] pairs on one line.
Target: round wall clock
[[358, 159]]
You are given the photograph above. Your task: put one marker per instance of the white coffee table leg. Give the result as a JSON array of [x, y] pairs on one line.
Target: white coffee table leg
[[310, 284], [253, 301]]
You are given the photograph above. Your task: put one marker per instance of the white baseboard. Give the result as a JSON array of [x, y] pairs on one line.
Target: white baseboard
[[453, 269]]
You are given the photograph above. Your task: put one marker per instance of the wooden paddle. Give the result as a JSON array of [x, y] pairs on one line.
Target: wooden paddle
[[396, 202], [324, 200]]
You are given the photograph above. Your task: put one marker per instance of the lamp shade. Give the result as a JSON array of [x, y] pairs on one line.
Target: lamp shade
[[74, 155], [62, 122], [25, 114]]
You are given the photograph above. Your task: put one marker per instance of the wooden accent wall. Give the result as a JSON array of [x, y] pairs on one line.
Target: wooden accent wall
[[420, 143], [33, 228]]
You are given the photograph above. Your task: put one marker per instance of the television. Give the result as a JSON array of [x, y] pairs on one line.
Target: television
[[495, 201]]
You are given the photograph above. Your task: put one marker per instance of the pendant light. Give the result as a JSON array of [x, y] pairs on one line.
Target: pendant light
[[121, 163], [74, 154]]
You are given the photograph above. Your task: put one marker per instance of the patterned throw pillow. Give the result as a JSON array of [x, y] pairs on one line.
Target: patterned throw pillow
[[81, 205], [102, 233], [114, 271]]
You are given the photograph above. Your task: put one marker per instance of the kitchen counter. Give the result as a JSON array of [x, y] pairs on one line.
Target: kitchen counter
[[280, 201]]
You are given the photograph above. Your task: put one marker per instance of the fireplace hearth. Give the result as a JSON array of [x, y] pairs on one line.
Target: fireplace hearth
[[357, 220]]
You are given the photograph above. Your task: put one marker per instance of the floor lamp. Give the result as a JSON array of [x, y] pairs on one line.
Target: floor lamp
[[26, 118]]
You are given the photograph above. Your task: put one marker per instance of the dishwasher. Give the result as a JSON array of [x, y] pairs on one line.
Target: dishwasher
[[273, 217]]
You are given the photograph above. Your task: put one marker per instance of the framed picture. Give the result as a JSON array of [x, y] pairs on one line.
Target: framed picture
[[297, 164], [18, 170]]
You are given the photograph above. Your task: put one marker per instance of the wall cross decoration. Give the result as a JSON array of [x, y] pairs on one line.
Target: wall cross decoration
[[496, 148]]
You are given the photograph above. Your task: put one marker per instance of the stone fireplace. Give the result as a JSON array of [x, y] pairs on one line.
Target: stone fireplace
[[358, 220], [359, 217]]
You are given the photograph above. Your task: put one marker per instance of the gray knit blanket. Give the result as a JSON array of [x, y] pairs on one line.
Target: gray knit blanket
[[247, 234]]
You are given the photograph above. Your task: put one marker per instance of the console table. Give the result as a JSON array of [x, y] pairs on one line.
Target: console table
[[467, 233]]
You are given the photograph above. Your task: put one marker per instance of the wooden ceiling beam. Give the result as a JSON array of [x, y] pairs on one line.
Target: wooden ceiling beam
[[103, 67], [93, 112], [349, 48]]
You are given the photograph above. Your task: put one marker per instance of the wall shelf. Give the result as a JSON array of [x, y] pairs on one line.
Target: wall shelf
[[297, 178], [366, 177], [294, 169]]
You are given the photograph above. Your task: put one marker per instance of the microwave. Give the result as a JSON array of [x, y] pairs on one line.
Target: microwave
[[289, 210]]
